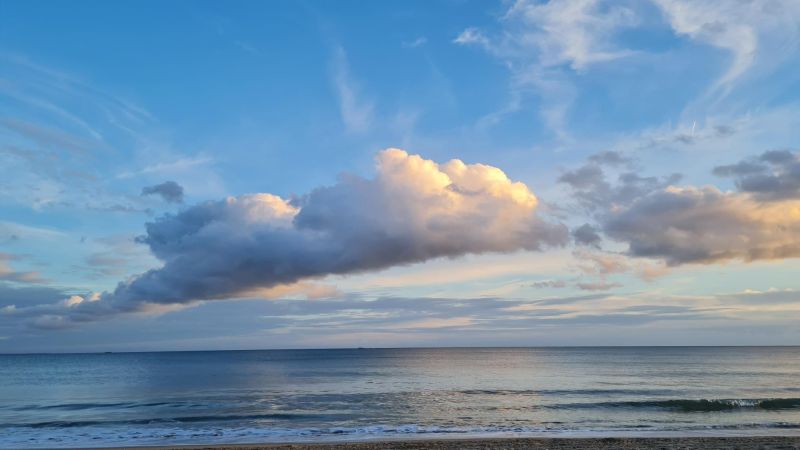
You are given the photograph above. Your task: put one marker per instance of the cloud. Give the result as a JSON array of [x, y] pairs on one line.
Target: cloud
[[473, 36], [611, 158], [773, 175], [178, 165], [596, 316], [9, 274], [418, 42], [695, 224], [587, 235], [449, 322], [25, 295], [764, 31], [114, 256], [357, 113], [57, 134], [677, 225], [718, 24], [549, 47], [593, 191], [597, 286], [247, 47], [170, 191], [48, 137], [703, 225], [585, 177], [16, 232], [50, 322], [301, 289], [599, 263], [414, 210], [549, 284], [543, 43], [578, 33]]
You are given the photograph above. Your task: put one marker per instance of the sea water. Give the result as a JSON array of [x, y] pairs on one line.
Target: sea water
[[83, 400]]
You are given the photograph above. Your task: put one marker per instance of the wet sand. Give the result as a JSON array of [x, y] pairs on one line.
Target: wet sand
[[688, 443]]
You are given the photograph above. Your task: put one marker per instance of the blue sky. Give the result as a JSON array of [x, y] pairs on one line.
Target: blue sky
[[650, 193]]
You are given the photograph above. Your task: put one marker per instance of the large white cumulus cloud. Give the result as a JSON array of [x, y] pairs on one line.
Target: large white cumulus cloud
[[413, 210]]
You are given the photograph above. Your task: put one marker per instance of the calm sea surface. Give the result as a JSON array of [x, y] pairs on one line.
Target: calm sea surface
[[296, 395]]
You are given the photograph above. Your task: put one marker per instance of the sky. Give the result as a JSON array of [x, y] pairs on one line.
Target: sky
[[193, 175]]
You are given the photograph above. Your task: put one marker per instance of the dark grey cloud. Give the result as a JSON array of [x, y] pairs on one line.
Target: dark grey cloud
[[773, 175], [116, 208], [595, 190], [26, 295], [170, 191], [611, 158], [584, 177], [724, 130], [587, 235], [549, 284]]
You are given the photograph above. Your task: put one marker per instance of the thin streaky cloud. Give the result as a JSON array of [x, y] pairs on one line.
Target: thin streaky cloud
[[357, 113]]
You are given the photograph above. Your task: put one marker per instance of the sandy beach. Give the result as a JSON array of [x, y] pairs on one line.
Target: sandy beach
[[686, 443]]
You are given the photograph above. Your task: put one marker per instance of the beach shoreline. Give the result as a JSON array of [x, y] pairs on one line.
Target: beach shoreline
[[410, 398], [516, 443]]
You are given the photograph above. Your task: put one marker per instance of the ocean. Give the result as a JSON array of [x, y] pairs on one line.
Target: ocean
[[84, 400]]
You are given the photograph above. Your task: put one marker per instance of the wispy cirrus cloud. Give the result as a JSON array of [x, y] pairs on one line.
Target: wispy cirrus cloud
[[418, 42], [542, 42], [58, 134], [177, 165], [758, 34], [553, 49], [357, 113], [576, 33]]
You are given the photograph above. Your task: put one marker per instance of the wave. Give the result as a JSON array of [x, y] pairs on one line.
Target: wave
[[83, 406], [159, 434], [694, 405], [168, 420], [587, 392], [678, 405]]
